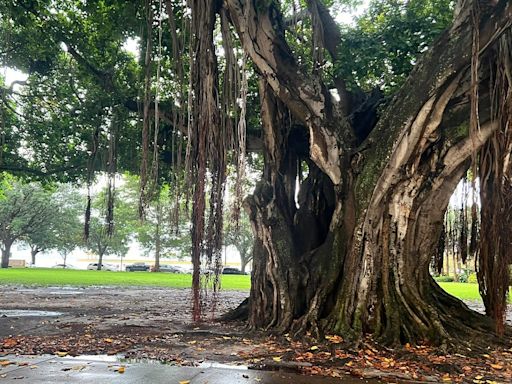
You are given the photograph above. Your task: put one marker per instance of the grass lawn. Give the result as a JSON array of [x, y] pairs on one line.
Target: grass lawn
[[75, 277], [463, 291]]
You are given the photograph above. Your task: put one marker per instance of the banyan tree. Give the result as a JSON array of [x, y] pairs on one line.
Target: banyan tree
[[349, 212]]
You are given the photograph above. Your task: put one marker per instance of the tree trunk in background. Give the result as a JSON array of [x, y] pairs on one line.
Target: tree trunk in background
[[157, 236], [33, 253], [6, 254], [244, 260], [447, 265], [455, 272], [101, 252], [352, 254]]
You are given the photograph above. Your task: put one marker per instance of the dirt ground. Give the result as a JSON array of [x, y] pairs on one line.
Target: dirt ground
[[155, 324]]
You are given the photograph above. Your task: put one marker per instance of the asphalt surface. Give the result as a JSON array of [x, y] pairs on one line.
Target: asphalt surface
[[112, 370]]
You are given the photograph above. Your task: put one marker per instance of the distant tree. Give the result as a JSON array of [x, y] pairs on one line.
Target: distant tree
[[63, 231], [25, 210], [241, 238], [100, 241], [158, 234], [102, 244]]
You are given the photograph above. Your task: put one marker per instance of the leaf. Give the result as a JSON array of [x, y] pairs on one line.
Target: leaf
[[185, 382], [108, 340], [313, 348], [9, 343], [496, 366], [276, 358], [192, 342], [5, 363], [61, 353], [121, 370], [335, 339]]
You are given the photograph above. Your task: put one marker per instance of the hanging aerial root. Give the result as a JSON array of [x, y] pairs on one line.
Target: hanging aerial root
[[495, 177]]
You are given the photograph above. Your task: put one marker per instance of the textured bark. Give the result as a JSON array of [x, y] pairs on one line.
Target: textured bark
[[352, 255]]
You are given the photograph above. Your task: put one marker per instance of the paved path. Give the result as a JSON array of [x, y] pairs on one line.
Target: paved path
[[100, 370]]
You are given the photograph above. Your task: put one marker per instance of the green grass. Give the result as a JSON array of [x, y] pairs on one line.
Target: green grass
[[463, 291], [73, 277]]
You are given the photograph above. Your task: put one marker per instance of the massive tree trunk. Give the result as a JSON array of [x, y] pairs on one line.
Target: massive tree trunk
[[352, 254]]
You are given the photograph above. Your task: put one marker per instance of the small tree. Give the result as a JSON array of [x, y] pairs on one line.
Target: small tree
[[100, 241], [156, 234], [241, 238], [25, 210], [102, 244], [63, 230]]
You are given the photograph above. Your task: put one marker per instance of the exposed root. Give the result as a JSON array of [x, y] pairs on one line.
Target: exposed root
[[240, 313]]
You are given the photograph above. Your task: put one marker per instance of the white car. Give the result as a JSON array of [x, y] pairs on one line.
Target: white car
[[104, 267]]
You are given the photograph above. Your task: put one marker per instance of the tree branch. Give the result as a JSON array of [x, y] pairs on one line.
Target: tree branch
[[262, 37]]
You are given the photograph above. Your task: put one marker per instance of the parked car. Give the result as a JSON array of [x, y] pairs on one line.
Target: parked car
[[104, 267], [170, 269], [137, 267], [65, 266], [232, 271]]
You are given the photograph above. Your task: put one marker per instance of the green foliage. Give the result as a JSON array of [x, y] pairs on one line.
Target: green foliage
[[174, 241], [444, 279], [472, 279], [76, 78], [63, 231], [25, 208], [381, 50], [126, 221]]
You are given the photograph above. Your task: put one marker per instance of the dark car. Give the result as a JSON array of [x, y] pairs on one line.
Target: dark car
[[137, 267], [232, 271], [170, 269]]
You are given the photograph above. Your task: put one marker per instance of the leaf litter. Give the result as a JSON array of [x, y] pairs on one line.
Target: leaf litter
[[120, 328]]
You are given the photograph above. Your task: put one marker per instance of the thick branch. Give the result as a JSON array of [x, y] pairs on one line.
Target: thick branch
[[261, 34]]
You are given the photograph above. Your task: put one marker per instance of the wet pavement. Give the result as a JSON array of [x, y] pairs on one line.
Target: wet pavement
[[27, 313], [109, 369]]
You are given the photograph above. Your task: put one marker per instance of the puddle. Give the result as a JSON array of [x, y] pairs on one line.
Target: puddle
[[214, 364], [27, 313], [202, 364], [95, 358]]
